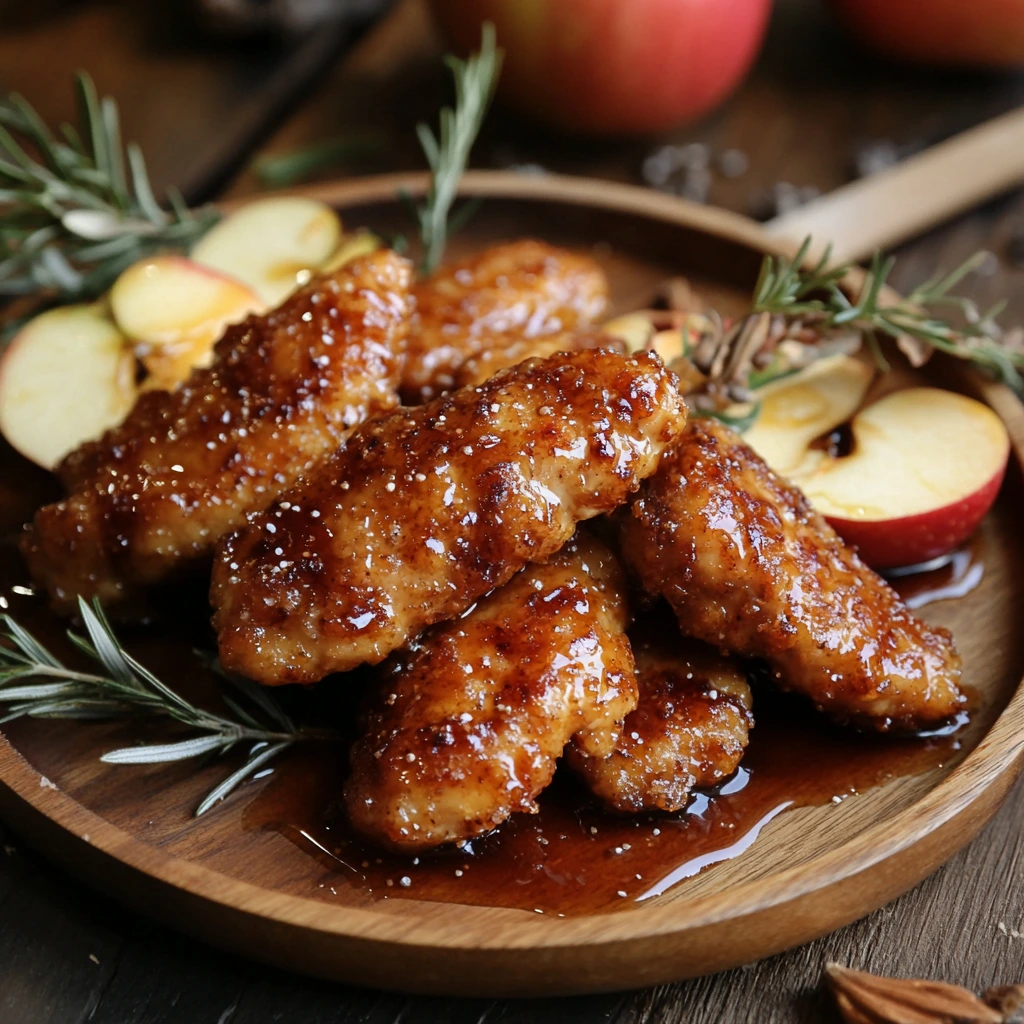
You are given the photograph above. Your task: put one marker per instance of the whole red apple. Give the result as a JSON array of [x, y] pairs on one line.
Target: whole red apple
[[971, 33], [614, 67]]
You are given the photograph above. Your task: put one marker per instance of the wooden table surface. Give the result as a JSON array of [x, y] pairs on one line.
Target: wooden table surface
[[199, 110]]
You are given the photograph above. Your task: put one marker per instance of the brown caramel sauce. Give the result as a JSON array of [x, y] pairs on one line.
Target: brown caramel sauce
[[573, 857], [952, 576]]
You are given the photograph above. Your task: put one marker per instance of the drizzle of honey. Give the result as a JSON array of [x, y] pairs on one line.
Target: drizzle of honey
[[951, 576], [573, 857]]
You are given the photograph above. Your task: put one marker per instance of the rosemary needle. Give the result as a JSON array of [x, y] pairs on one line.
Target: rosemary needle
[[475, 79], [76, 205], [813, 293], [126, 688]]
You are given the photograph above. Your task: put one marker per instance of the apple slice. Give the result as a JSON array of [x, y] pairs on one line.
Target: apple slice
[[177, 309], [272, 244], [359, 243], [925, 467], [66, 376], [798, 409]]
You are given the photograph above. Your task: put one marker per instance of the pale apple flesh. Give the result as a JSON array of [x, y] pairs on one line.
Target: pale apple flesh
[[352, 246], [925, 467], [176, 310], [272, 245], [161, 299], [795, 411], [65, 378]]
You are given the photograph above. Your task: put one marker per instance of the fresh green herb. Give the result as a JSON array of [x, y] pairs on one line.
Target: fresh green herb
[[76, 207], [814, 294], [475, 79], [126, 688]]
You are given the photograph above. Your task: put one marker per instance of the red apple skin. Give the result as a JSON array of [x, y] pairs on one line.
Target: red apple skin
[[910, 540], [957, 33], [611, 67]]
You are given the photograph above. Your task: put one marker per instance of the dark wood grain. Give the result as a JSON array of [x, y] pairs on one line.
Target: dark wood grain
[[811, 101]]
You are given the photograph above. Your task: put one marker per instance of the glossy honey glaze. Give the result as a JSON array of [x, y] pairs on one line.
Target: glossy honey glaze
[[951, 576], [572, 857], [575, 858]]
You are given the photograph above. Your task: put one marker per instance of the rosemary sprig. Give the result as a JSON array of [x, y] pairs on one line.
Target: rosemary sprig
[[814, 294], [475, 79], [126, 688], [76, 206]]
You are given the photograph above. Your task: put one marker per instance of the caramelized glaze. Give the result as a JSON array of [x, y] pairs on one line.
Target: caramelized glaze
[[465, 726], [573, 857], [518, 292], [749, 566], [426, 510], [152, 496]]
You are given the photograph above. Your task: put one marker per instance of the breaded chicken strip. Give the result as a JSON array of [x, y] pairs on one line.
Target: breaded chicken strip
[[690, 728], [519, 290], [751, 568], [156, 493], [427, 509], [466, 725]]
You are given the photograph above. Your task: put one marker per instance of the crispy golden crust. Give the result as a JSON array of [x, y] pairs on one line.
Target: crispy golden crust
[[285, 389], [466, 725], [690, 728], [519, 290], [750, 567], [426, 510]]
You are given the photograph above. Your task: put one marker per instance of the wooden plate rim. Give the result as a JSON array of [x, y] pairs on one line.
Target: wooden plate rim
[[1000, 750]]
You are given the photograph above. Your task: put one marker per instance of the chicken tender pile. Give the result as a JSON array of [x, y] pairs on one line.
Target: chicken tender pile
[[154, 495], [468, 722], [441, 542], [426, 510]]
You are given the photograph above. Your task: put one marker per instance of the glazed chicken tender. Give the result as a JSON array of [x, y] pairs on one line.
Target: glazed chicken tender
[[748, 566], [156, 493], [689, 729], [508, 293], [466, 724], [426, 510]]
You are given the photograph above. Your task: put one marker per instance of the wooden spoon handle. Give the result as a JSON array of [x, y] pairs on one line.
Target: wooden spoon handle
[[889, 207]]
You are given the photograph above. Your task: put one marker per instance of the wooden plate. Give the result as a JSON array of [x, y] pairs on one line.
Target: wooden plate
[[234, 883]]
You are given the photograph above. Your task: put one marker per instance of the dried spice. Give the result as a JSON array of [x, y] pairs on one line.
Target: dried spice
[[865, 998]]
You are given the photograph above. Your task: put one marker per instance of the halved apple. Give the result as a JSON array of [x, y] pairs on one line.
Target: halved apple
[[925, 467], [272, 244], [176, 310], [798, 409], [66, 376]]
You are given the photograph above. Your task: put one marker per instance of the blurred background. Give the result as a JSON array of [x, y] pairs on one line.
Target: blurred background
[[752, 106]]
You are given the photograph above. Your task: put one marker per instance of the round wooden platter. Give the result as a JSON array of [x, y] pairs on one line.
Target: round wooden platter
[[130, 830]]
